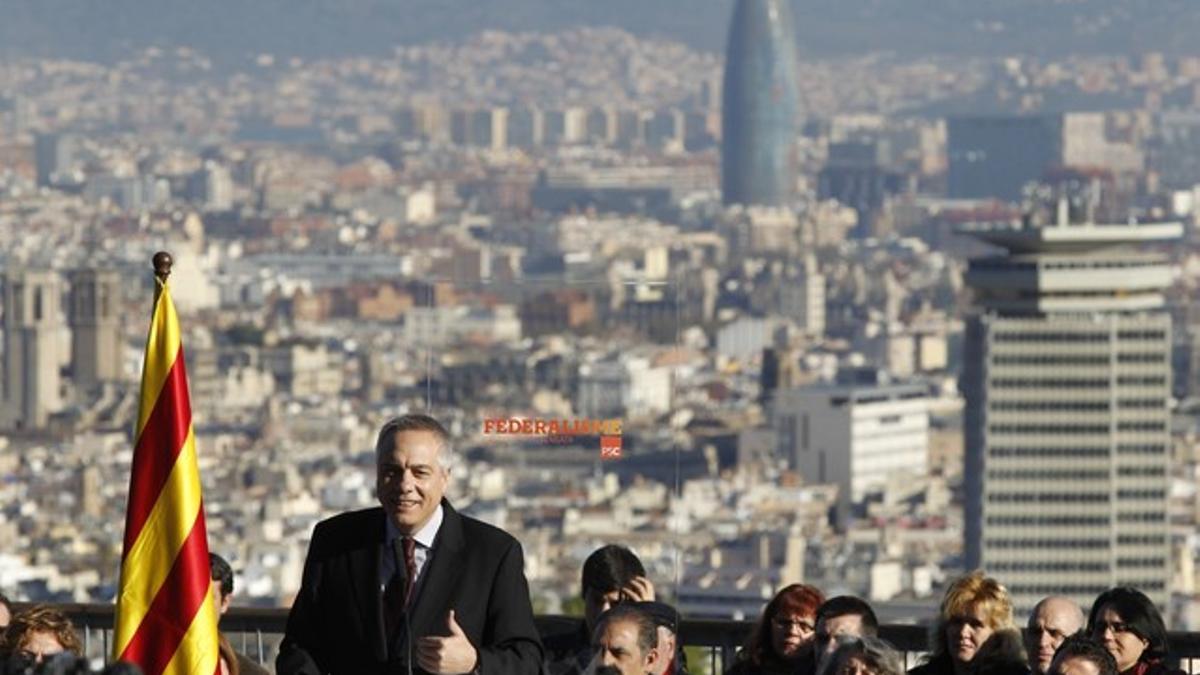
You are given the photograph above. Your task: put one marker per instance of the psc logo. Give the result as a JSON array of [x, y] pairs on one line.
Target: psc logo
[[610, 447]]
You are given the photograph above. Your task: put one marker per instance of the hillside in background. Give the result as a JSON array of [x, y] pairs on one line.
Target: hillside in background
[[232, 30]]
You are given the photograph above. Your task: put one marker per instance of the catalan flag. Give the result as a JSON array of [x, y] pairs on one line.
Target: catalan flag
[[166, 622]]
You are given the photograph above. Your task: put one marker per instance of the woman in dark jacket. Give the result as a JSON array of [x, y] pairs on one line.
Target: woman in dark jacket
[[974, 633], [782, 640], [1132, 630]]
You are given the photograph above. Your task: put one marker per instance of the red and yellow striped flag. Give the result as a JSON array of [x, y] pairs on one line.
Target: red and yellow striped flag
[[166, 621]]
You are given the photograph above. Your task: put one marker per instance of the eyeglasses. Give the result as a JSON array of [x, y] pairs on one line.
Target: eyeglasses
[[789, 625], [1116, 627]]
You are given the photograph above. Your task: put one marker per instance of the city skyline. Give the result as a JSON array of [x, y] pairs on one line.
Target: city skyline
[[535, 225]]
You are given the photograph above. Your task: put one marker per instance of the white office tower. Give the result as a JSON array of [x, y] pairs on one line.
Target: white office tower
[[858, 433], [1067, 374], [32, 321], [95, 321]]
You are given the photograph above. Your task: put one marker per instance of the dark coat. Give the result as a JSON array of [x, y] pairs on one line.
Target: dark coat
[[336, 623], [1002, 654], [745, 666], [568, 649], [1152, 667]]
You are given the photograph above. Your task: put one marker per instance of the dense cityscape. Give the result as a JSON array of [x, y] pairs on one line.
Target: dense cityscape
[[942, 317]]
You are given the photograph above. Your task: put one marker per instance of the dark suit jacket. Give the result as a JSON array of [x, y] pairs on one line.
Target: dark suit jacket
[[336, 623]]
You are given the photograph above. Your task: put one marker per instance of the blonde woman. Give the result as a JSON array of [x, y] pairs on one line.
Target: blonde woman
[[975, 633]]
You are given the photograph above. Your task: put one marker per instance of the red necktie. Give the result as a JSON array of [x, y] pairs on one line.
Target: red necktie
[[397, 594], [410, 569]]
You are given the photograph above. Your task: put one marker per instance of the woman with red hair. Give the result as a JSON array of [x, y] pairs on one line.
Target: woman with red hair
[[781, 642]]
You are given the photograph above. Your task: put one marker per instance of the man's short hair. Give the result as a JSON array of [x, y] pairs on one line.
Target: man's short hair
[[610, 568], [647, 631], [1081, 646], [221, 572], [662, 614], [842, 605], [415, 422], [1030, 623]]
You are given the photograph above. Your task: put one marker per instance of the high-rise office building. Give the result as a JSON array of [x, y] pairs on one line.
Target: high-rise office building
[[760, 100], [525, 125], [480, 127], [602, 125], [31, 365], [665, 129], [859, 433], [861, 175], [211, 187], [802, 298], [567, 126], [95, 326], [995, 156], [53, 153], [1067, 377]]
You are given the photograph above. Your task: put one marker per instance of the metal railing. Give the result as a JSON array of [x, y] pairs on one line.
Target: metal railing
[[256, 632]]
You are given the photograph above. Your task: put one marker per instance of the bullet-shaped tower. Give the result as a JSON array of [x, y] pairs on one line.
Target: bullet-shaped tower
[[760, 99]]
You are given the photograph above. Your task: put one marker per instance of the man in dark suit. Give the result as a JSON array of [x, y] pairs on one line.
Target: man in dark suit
[[412, 586]]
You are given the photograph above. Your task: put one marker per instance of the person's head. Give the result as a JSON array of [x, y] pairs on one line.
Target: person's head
[[1053, 620], [862, 655], [625, 642], [5, 611], [666, 623], [412, 470], [1129, 626], [1082, 655], [222, 577], [785, 630], [973, 609], [844, 615], [605, 572], [38, 633]]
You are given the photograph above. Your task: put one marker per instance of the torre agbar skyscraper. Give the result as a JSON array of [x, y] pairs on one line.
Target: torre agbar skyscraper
[[758, 163], [1067, 375]]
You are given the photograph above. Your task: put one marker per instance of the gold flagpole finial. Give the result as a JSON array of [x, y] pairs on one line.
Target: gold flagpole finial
[[162, 265]]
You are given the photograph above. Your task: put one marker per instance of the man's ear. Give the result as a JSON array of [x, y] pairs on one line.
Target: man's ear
[[226, 601], [653, 659]]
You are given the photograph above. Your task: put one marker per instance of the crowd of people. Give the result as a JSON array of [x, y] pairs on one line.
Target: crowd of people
[[801, 632], [413, 586]]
